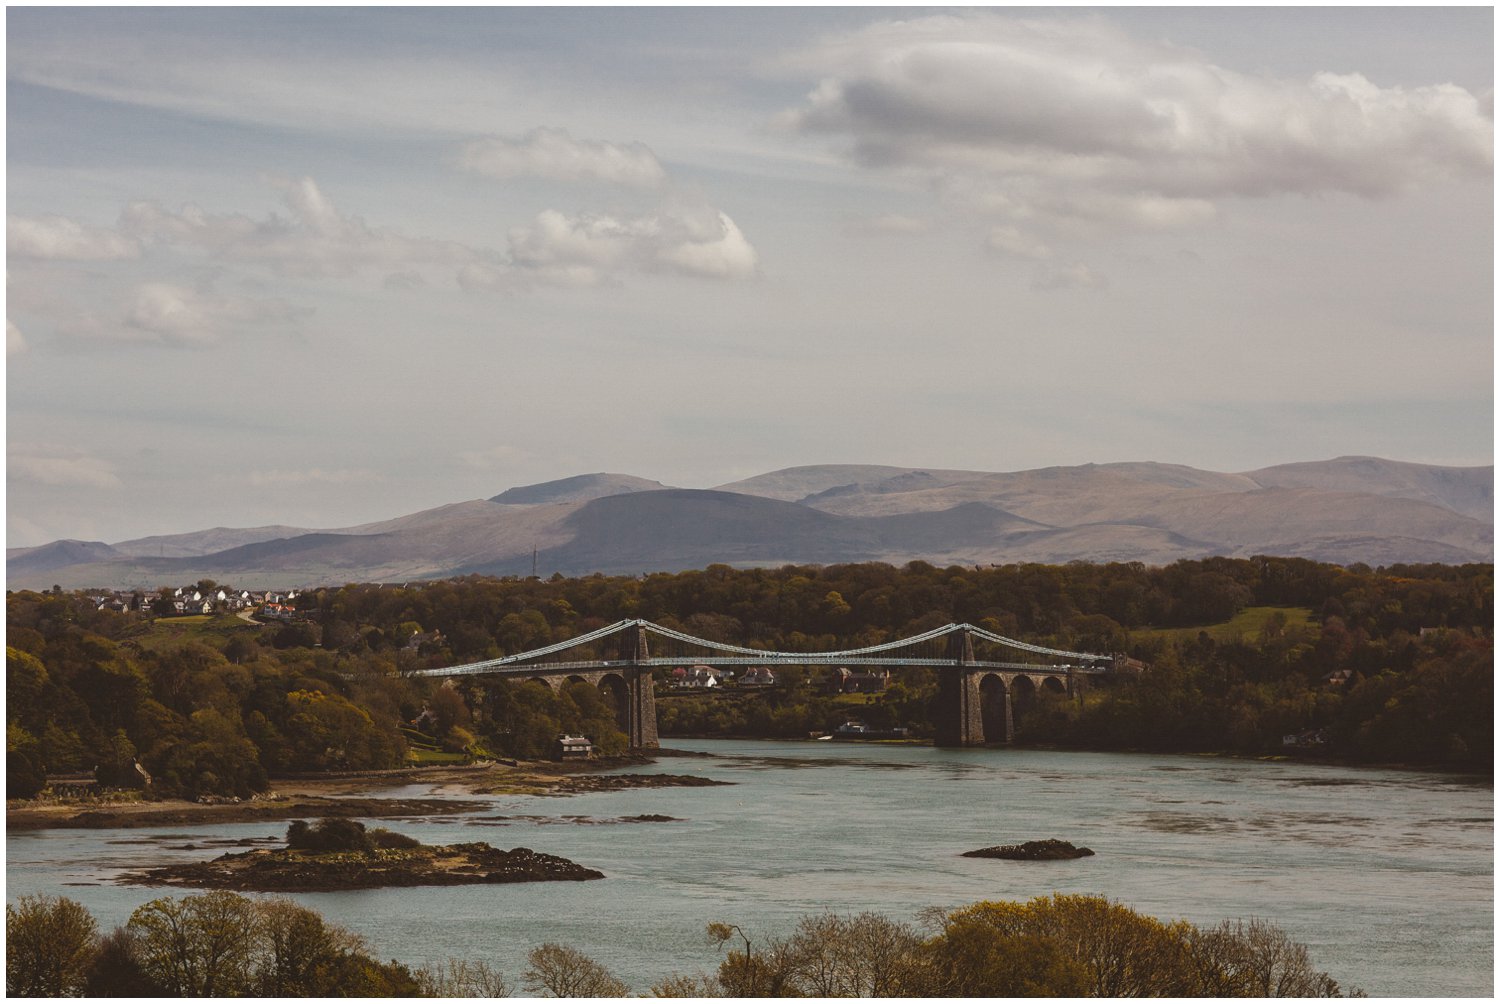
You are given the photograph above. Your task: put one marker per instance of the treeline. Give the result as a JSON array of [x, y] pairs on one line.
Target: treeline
[[216, 712], [220, 944]]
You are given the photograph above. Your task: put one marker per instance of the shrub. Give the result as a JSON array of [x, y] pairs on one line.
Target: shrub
[[328, 835]]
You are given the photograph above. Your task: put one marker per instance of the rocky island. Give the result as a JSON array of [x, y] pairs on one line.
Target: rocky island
[[339, 854], [1033, 850]]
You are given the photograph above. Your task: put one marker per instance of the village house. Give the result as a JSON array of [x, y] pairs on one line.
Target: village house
[[568, 747], [695, 677], [842, 681], [759, 676]]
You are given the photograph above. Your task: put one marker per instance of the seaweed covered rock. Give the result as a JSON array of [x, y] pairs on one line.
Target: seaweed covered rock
[[1033, 850]]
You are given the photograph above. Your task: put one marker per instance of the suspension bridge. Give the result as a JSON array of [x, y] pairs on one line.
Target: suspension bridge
[[983, 677]]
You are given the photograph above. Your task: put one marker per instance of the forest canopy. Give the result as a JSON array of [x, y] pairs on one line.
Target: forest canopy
[[1391, 664]]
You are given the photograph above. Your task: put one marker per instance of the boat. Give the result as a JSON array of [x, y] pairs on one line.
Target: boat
[[855, 730]]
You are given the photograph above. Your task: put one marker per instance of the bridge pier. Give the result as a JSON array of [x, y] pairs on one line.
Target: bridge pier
[[960, 708], [640, 689]]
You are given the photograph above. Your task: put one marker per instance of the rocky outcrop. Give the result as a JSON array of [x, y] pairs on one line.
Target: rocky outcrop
[[300, 871], [1033, 850]]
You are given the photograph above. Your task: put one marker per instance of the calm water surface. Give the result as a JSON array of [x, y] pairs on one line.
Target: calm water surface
[[1386, 875]]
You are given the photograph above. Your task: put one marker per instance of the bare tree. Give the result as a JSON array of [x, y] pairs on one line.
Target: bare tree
[[1255, 958], [566, 972], [460, 978]]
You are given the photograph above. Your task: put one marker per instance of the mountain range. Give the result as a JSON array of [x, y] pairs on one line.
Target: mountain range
[[1347, 510]]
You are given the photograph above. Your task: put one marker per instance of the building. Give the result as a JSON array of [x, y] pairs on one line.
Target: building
[[567, 747]]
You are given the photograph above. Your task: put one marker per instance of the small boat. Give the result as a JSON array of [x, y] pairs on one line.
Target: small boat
[[855, 729]]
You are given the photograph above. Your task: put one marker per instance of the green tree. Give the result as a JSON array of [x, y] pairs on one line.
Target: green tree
[[199, 946], [49, 944]]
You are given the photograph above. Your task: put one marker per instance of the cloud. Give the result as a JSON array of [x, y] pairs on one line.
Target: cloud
[[57, 238], [60, 467], [15, 342], [1076, 119], [588, 249], [554, 155], [316, 241], [176, 315]]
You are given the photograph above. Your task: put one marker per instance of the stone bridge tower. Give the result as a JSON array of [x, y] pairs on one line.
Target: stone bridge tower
[[640, 693], [960, 713]]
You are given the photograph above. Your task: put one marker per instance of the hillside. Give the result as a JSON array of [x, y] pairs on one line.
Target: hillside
[[1352, 509]]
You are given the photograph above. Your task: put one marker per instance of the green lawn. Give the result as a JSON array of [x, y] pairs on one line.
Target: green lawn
[[1247, 624], [211, 628]]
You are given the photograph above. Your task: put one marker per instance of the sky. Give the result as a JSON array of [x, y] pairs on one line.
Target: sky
[[324, 267]]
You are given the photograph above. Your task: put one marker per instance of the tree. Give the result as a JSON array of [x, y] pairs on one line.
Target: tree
[[863, 956], [460, 978], [49, 944], [1255, 958], [199, 946], [116, 969], [302, 951], [566, 972], [25, 774]]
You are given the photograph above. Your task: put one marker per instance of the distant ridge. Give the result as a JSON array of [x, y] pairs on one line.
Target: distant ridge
[[583, 488], [1346, 510]]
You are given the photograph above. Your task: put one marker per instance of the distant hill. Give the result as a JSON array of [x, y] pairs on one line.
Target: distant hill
[[1466, 490], [1352, 509], [58, 554], [583, 488]]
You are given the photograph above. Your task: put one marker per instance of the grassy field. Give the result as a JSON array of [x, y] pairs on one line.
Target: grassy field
[[211, 628], [1247, 624]]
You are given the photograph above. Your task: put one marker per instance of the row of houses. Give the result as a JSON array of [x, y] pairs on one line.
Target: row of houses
[[706, 677], [193, 599]]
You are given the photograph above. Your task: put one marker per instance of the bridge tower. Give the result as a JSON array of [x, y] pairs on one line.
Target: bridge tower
[[960, 711], [640, 702]]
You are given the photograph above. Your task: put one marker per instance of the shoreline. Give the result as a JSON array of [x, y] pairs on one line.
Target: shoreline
[[343, 793], [1456, 773], [347, 793]]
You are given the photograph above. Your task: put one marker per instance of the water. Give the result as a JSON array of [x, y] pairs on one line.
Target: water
[[1386, 875]]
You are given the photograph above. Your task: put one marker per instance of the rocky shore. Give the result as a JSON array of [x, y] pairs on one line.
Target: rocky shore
[[303, 871], [349, 794]]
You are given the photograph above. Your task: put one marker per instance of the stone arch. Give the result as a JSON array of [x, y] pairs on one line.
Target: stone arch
[[1022, 698], [993, 698], [544, 681], [1054, 685], [617, 692]]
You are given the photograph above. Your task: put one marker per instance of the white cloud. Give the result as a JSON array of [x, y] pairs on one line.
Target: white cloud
[[176, 315], [15, 342], [699, 241], [555, 155], [59, 238], [60, 467], [317, 241], [1075, 119]]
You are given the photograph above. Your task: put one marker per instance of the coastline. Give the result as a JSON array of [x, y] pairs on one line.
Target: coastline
[[333, 794]]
